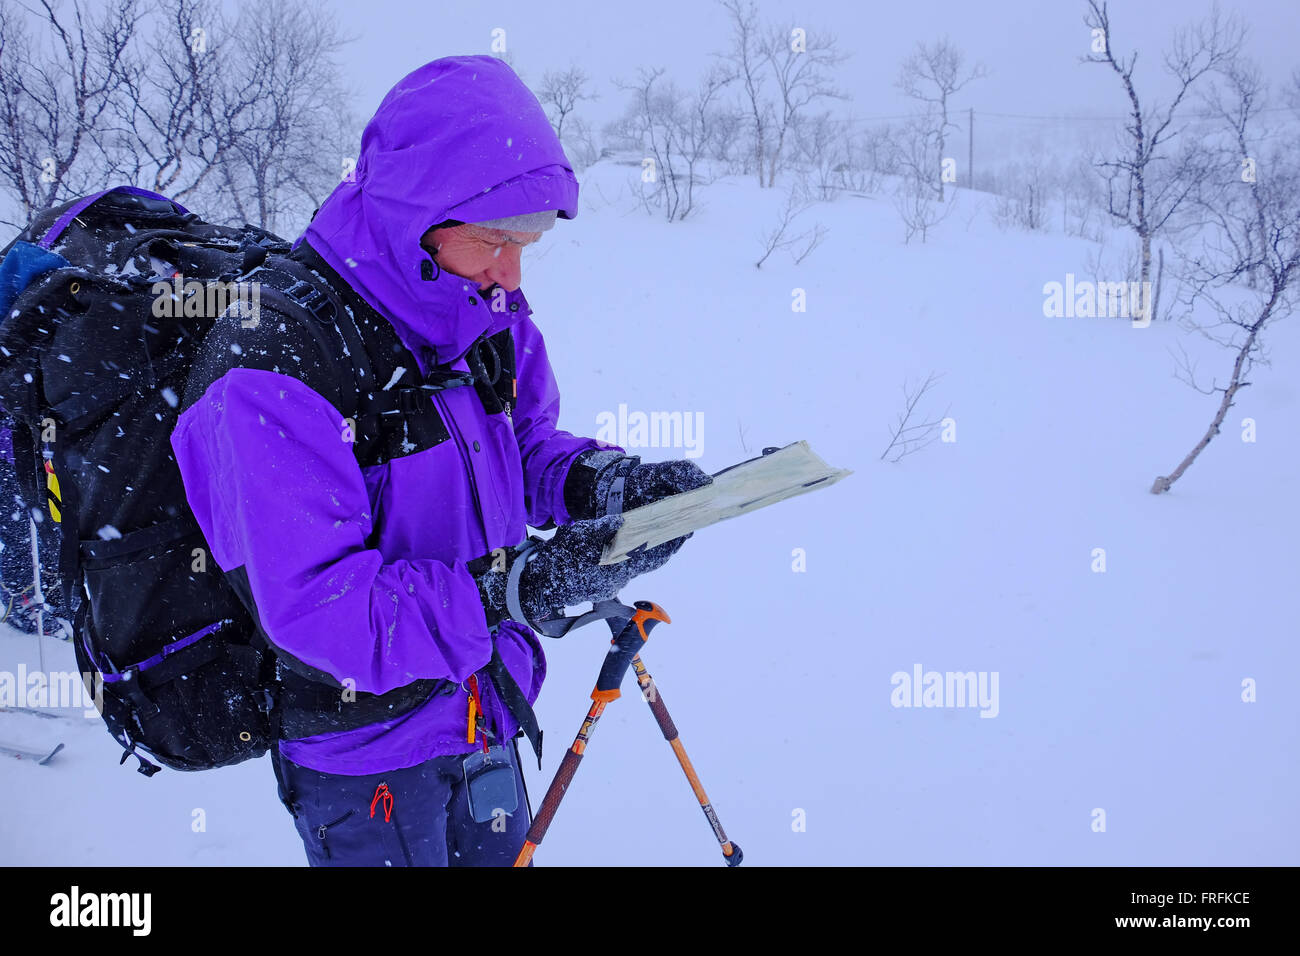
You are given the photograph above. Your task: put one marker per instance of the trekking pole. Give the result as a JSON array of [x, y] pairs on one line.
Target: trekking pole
[[649, 690], [38, 596], [627, 643]]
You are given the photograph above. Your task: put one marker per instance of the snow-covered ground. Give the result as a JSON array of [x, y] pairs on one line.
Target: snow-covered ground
[[1119, 691]]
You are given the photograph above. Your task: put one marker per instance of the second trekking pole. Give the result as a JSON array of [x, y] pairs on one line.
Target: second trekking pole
[[730, 851], [628, 641]]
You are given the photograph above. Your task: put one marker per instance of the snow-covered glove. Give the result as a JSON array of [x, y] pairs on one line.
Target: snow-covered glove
[[592, 487], [565, 570]]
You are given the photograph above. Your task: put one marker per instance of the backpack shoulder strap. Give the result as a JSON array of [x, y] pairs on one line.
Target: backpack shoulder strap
[[384, 388], [281, 336], [387, 393], [491, 358]]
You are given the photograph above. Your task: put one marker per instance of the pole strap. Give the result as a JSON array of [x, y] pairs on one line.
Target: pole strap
[[513, 697]]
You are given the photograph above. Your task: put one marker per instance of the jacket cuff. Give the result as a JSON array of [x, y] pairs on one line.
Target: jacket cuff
[[580, 483]]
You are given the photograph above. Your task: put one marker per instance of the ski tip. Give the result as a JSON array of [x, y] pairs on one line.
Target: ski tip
[[51, 754]]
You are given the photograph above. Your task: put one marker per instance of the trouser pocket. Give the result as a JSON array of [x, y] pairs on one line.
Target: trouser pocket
[[323, 833], [399, 850], [394, 818]]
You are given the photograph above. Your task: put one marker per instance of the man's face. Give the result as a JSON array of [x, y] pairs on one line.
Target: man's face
[[482, 255]]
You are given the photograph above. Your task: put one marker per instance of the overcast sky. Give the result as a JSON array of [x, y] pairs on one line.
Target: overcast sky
[[1032, 47]]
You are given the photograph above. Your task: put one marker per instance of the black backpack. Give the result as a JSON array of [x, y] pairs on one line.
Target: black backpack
[[92, 377]]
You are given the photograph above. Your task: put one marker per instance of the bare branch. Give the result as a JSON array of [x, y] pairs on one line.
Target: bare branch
[[907, 437]]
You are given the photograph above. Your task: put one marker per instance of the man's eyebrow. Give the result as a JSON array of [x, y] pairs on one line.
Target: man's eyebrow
[[498, 235]]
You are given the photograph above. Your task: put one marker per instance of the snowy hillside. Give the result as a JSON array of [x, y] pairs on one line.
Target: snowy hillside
[[1119, 690]]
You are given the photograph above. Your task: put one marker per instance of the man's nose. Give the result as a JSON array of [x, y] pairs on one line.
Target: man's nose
[[505, 268]]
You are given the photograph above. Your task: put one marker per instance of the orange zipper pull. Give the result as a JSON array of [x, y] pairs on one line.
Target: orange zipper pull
[[473, 709]]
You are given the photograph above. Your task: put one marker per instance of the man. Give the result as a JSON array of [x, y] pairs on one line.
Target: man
[[380, 586]]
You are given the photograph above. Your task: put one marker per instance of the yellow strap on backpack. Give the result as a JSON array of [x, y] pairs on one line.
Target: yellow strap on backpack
[[52, 486]]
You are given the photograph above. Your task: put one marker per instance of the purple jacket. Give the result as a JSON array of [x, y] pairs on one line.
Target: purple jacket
[[362, 573]]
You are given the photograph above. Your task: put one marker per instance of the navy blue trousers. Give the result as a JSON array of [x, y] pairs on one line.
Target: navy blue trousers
[[348, 821]]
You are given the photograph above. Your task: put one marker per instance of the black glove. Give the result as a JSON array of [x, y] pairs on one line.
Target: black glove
[[592, 489], [565, 571]]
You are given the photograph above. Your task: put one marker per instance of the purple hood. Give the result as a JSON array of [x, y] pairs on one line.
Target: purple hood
[[460, 138]]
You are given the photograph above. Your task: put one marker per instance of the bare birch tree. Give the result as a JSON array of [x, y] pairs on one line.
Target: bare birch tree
[[677, 131], [1145, 186], [1251, 227], [800, 63], [745, 57], [916, 157], [290, 145], [246, 119], [164, 133], [56, 94], [560, 93], [823, 147], [782, 70], [933, 74]]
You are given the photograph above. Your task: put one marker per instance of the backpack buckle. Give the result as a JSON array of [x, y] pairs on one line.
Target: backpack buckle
[[406, 401], [411, 401], [312, 299]]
